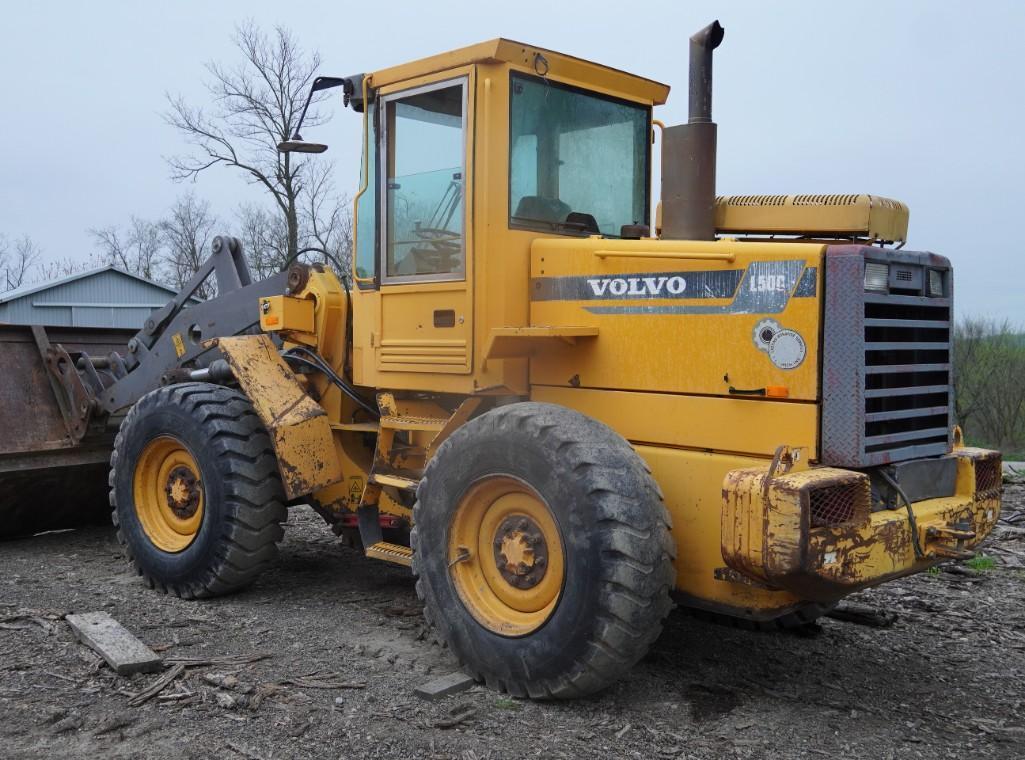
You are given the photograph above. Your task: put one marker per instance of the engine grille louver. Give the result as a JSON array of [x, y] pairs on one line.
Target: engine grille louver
[[886, 393]]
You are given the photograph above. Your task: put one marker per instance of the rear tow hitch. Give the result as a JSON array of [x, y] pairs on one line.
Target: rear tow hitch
[[948, 540]]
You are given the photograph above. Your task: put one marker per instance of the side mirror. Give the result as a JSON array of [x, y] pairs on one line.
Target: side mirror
[[300, 146], [295, 143]]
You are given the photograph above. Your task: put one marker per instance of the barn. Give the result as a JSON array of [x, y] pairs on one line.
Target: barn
[[102, 297]]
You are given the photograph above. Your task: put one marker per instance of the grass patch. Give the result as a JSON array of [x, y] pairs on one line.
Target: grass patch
[[981, 562], [504, 703], [933, 570]]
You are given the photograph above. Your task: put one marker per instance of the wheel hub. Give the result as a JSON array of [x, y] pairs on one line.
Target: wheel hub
[[167, 494], [183, 492], [521, 552], [506, 555]]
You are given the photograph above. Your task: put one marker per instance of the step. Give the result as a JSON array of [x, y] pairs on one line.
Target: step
[[395, 481], [400, 555], [356, 427], [434, 424]]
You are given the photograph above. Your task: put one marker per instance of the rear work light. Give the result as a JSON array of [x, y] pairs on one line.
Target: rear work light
[[877, 276], [935, 282]]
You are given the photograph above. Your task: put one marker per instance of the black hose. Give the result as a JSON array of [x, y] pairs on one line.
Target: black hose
[[314, 360], [911, 515], [329, 256], [345, 284]]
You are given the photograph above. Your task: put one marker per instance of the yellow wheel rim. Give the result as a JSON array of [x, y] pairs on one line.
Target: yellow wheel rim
[[168, 494], [506, 556]]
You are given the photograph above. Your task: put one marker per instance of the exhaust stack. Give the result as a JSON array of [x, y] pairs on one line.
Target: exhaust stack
[[688, 151]]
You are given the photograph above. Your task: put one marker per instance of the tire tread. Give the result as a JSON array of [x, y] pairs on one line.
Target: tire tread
[[254, 499]]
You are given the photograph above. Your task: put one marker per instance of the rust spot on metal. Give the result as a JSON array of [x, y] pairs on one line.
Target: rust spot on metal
[[521, 552]]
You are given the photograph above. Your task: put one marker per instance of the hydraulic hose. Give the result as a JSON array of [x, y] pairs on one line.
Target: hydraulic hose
[[312, 359]]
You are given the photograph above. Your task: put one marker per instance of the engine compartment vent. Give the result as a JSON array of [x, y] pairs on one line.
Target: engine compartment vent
[[820, 216]]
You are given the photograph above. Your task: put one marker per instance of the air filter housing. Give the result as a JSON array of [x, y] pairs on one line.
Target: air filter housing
[[864, 217]]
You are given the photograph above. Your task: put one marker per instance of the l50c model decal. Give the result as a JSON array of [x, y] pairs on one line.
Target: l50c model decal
[[763, 287]]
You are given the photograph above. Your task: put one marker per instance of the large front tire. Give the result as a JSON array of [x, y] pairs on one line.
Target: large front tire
[[542, 550], [195, 490]]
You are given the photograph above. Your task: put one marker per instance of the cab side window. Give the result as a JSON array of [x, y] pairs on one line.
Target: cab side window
[[424, 153], [366, 206]]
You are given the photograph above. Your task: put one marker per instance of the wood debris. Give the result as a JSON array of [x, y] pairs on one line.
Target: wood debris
[[157, 686], [114, 643]]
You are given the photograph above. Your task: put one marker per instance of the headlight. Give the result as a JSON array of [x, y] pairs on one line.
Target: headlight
[[935, 282], [877, 276]]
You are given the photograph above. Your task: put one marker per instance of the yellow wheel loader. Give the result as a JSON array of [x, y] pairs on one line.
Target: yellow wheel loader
[[563, 419]]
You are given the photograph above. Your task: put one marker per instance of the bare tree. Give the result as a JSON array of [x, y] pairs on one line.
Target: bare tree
[[326, 218], [16, 260], [257, 105], [325, 230], [187, 231], [51, 270], [135, 249], [264, 239]]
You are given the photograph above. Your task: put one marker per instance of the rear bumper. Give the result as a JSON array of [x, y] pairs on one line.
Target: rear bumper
[[813, 533]]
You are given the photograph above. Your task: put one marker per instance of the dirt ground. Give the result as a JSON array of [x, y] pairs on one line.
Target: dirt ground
[[341, 648]]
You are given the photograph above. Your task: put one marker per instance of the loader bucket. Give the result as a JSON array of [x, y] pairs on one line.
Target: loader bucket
[[51, 475]]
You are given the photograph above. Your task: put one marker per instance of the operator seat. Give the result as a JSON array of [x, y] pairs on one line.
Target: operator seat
[[542, 209]]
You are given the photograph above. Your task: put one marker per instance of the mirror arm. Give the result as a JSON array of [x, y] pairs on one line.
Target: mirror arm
[[320, 83]]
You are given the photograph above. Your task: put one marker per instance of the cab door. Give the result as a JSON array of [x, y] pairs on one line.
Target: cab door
[[425, 149]]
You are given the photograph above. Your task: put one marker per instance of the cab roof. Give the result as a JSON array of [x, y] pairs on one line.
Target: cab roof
[[559, 66]]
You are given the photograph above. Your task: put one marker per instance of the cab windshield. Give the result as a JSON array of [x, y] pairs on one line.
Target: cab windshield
[[579, 162]]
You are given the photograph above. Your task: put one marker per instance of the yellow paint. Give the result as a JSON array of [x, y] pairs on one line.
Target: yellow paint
[[299, 428], [510, 342], [869, 217], [561, 67], [697, 353], [691, 483], [179, 345], [767, 534], [475, 530], [394, 553], [699, 422], [286, 313], [156, 485]]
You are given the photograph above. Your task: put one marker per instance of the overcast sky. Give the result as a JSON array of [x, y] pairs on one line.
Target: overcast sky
[[920, 101]]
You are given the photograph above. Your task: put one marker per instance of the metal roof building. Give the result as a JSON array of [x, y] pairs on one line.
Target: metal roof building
[[102, 297]]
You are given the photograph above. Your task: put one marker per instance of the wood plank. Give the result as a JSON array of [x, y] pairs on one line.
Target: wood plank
[[442, 687], [114, 643]]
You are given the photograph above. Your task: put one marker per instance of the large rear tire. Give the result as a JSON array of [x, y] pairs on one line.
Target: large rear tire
[[195, 490], [542, 550]]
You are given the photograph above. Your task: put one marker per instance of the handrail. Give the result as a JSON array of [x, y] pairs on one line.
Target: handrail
[[602, 254]]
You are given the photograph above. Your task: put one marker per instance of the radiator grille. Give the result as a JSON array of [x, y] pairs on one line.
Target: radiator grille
[[907, 373], [886, 359]]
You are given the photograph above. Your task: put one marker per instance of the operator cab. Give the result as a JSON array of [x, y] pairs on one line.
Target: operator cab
[[468, 158]]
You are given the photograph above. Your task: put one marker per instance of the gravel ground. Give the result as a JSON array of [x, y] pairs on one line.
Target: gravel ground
[[320, 658]]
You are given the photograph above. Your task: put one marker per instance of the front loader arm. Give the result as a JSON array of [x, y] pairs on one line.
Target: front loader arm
[[174, 336]]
